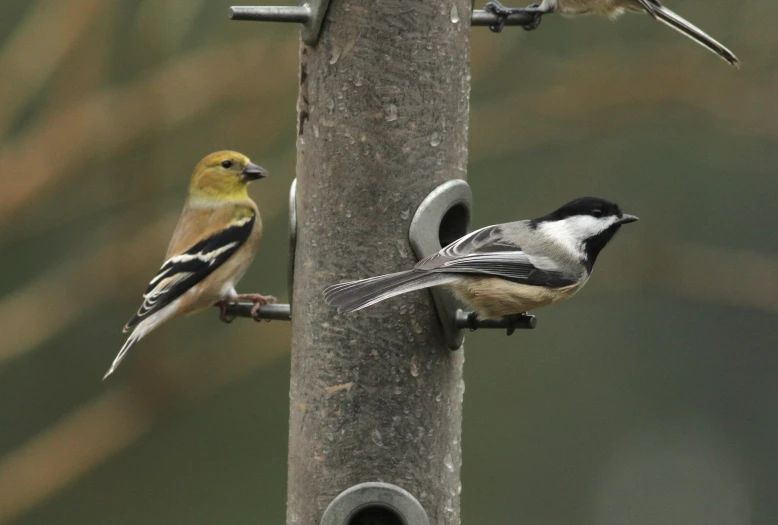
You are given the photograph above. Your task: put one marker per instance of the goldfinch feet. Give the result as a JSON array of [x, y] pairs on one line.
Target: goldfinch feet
[[515, 321], [472, 321], [223, 312], [258, 301], [503, 13]]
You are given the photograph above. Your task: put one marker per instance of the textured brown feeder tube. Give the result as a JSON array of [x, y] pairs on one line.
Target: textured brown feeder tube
[[382, 120]]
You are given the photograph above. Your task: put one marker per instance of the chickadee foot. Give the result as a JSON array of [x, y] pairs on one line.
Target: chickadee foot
[[472, 321], [223, 312], [535, 20], [258, 301], [514, 321], [502, 13]]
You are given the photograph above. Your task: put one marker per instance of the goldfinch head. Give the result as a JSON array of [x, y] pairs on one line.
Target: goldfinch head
[[224, 175]]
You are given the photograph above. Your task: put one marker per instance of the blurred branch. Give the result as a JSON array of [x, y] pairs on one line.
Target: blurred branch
[[72, 288], [169, 21], [705, 274], [28, 61], [65, 142], [79, 442], [99, 429], [557, 107]]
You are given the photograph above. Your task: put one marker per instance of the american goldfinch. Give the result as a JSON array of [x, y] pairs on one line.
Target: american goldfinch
[[614, 9], [507, 269], [213, 245]]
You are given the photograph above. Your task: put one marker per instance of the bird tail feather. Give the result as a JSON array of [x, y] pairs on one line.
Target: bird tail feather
[[353, 296], [141, 330], [134, 337], [693, 32]]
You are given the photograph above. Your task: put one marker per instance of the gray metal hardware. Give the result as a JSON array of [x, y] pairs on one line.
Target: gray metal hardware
[[525, 322], [310, 13], [485, 18], [271, 312], [452, 201], [364, 496], [292, 240]]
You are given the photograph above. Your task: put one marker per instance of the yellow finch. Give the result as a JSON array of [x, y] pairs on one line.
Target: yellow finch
[[213, 245]]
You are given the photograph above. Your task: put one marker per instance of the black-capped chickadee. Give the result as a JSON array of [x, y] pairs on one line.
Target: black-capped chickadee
[[613, 9], [506, 269]]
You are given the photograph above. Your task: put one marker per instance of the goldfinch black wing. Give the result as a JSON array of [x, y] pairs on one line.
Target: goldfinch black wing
[[183, 271]]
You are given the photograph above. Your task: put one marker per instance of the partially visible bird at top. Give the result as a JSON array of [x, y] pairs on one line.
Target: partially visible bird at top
[[612, 9], [213, 245], [506, 269]]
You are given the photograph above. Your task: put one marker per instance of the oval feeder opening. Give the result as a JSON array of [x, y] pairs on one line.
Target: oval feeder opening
[[376, 515], [454, 224]]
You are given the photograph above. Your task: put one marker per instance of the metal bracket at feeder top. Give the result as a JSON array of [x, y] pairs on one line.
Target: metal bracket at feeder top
[[310, 13], [441, 218], [374, 495]]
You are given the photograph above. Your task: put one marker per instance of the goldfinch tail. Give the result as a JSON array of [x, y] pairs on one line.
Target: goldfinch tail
[[350, 297], [693, 32], [129, 343], [141, 330]]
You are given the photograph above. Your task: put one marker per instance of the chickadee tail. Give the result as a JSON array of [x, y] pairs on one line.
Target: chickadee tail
[[693, 32], [350, 297]]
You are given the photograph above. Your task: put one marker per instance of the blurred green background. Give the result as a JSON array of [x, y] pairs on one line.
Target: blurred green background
[[649, 399]]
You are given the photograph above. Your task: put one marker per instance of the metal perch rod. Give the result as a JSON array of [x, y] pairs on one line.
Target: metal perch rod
[[301, 14], [282, 312], [271, 312], [525, 322]]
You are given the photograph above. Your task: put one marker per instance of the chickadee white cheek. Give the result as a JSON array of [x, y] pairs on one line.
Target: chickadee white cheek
[[573, 231]]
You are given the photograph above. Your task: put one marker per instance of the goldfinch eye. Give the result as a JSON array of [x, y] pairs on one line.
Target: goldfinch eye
[[226, 164], [597, 213]]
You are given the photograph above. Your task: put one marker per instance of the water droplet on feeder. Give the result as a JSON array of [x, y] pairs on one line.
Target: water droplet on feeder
[[435, 139], [448, 462], [377, 438], [390, 113], [454, 14], [415, 365]]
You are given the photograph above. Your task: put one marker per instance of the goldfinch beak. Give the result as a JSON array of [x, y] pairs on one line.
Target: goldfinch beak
[[627, 218], [254, 172]]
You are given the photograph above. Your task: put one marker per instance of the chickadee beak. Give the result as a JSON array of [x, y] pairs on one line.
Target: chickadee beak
[[627, 218], [254, 172]]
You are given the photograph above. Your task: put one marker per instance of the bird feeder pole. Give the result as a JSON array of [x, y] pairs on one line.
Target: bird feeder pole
[[375, 396]]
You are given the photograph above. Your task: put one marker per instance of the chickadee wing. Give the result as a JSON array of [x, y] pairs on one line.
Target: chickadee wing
[[515, 266], [488, 252], [184, 270]]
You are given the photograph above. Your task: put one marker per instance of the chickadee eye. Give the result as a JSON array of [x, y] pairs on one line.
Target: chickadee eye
[[597, 213], [226, 164]]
